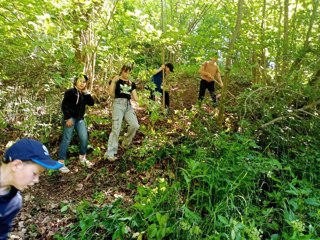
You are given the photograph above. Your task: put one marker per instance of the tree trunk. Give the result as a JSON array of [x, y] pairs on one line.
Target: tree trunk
[[263, 62], [295, 67], [293, 23], [255, 68], [278, 54], [285, 43], [228, 63]]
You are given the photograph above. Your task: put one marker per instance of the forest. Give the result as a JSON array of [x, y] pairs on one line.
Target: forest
[[246, 168]]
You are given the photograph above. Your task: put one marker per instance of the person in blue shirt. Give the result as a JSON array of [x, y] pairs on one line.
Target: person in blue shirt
[[157, 79], [20, 169]]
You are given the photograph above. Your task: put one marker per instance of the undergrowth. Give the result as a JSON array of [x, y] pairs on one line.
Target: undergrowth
[[218, 185]]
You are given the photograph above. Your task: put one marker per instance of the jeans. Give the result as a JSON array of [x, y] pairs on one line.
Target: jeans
[[81, 128], [121, 109], [207, 85]]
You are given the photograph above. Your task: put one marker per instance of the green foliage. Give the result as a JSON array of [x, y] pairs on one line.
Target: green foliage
[[230, 190], [96, 222], [257, 180]]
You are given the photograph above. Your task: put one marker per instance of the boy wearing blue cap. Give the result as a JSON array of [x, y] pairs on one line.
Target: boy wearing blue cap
[[20, 168]]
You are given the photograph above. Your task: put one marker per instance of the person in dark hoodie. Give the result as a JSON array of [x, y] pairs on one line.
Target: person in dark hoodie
[[73, 108]]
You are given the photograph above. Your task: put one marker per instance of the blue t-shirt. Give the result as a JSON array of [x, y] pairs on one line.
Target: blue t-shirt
[[124, 89], [10, 205]]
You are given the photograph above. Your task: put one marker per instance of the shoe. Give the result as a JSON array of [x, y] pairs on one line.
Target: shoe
[[124, 145], [64, 169], [85, 162], [112, 158]]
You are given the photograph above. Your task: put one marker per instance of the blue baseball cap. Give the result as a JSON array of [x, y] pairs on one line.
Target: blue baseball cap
[[32, 150]]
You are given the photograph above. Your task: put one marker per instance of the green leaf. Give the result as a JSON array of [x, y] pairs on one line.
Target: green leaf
[[125, 219], [313, 202], [64, 208], [191, 215], [223, 220]]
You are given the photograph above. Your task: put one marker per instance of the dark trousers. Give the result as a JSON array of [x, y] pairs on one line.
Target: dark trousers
[[166, 97], [207, 85]]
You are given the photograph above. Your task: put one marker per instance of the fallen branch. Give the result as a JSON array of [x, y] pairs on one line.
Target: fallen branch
[[302, 109]]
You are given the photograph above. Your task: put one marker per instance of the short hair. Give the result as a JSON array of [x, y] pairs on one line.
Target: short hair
[[79, 76], [126, 68]]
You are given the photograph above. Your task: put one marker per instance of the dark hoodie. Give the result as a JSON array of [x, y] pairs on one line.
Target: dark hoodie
[[74, 103]]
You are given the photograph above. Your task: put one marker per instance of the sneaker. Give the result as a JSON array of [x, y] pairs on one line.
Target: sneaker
[[85, 162], [124, 145], [64, 169], [112, 158]]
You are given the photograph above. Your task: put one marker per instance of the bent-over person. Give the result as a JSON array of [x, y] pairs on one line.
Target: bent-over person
[[209, 74]]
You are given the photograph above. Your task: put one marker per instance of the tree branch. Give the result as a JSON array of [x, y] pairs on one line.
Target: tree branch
[[303, 110]]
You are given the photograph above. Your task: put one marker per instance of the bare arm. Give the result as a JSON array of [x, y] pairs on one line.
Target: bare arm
[[134, 95], [219, 80], [160, 69], [112, 86], [204, 73]]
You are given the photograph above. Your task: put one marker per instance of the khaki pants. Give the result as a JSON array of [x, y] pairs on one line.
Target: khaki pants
[[121, 109]]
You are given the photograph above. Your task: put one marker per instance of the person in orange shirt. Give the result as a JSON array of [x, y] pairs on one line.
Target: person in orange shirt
[[209, 73]]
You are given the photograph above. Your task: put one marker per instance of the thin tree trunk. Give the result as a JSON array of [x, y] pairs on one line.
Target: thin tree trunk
[[193, 24], [285, 43], [228, 63], [306, 46], [163, 55], [263, 63], [278, 56], [293, 22], [255, 67]]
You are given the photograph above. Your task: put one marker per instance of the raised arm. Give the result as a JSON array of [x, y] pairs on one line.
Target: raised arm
[[160, 69], [112, 86]]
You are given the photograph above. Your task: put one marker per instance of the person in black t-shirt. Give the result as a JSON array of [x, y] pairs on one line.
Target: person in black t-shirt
[[123, 91]]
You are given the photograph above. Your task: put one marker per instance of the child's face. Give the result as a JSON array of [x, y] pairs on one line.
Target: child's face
[[125, 74], [26, 174], [81, 83]]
